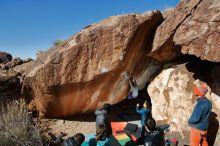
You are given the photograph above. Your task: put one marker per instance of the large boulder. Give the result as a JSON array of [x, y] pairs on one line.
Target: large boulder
[[5, 57], [11, 77], [173, 99], [191, 28], [93, 66], [10, 84]]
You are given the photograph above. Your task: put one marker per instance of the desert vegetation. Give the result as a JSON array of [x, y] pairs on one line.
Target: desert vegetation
[[17, 127], [57, 42]]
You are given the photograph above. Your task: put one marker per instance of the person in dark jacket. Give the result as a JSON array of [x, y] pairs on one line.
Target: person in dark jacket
[[154, 136], [144, 112], [199, 120], [102, 118], [75, 140]]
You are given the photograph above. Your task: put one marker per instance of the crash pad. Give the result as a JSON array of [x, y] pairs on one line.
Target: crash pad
[[124, 139], [118, 126]]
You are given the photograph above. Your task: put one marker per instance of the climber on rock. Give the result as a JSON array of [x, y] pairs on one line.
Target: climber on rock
[[145, 113], [102, 118], [133, 93], [199, 119]]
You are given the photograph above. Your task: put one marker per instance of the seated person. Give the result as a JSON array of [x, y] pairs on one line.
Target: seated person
[[75, 140], [102, 118], [154, 136], [102, 137]]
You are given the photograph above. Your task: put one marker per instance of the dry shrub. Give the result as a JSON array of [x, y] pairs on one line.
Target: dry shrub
[[17, 127]]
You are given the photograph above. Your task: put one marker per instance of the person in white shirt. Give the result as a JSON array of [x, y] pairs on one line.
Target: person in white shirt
[[133, 93]]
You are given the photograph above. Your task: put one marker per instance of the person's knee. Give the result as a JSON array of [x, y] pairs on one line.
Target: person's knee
[[195, 140], [204, 142]]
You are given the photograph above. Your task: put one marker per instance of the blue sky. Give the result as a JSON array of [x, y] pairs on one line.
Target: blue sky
[[27, 26]]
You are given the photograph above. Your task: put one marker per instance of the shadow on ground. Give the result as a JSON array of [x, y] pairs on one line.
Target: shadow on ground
[[123, 111]]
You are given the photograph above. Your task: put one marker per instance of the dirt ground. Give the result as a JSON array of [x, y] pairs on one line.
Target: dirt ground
[[85, 123], [69, 127]]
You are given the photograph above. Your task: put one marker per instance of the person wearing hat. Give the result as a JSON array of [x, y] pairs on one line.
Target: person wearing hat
[[145, 113], [199, 119], [102, 118]]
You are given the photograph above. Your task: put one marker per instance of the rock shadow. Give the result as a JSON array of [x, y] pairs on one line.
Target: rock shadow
[[125, 111], [205, 71], [213, 129]]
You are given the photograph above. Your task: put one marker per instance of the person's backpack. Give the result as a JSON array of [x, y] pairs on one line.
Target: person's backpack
[[154, 138], [69, 142]]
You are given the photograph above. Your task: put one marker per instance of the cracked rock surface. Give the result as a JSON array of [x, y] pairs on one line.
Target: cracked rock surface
[[193, 28], [173, 99]]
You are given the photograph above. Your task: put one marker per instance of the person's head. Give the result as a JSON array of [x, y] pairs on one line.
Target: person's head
[[78, 138], [200, 91], [133, 81], [107, 107], [145, 105], [101, 131], [150, 124]]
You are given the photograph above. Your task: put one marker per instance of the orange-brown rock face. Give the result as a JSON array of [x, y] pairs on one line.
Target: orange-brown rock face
[[93, 66], [192, 28]]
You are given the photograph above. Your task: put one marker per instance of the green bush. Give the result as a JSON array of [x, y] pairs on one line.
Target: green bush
[[57, 42], [17, 127]]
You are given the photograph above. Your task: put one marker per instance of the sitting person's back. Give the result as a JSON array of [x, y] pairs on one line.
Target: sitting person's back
[[102, 138], [155, 136], [102, 118], [101, 142]]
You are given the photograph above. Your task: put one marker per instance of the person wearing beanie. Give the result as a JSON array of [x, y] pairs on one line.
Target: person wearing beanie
[[199, 120], [102, 118], [144, 112]]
